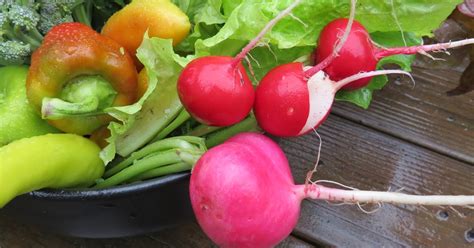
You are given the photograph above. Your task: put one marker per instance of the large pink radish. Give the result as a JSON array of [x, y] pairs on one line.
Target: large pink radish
[[243, 193], [256, 211]]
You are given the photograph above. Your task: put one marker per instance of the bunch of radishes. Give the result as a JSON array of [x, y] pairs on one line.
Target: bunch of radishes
[[242, 191]]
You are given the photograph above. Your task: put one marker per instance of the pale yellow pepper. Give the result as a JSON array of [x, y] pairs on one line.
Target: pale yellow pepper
[[161, 18]]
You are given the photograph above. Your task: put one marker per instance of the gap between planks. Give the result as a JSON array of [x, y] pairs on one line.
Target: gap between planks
[[400, 137]]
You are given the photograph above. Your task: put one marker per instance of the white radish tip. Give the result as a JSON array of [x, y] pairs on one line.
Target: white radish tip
[[321, 93]]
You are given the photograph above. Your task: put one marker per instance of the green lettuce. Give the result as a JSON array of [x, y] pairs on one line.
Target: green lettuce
[[246, 19], [139, 123], [206, 20]]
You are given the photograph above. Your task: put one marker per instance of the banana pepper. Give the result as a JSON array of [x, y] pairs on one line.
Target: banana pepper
[[76, 74], [48, 161]]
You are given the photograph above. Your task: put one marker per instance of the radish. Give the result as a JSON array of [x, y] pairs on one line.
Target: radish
[[287, 104], [359, 53], [290, 102], [216, 90], [243, 194]]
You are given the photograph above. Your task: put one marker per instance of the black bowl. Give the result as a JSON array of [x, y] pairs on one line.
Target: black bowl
[[121, 211]]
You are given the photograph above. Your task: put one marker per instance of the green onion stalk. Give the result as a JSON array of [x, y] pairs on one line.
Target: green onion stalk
[[167, 155]]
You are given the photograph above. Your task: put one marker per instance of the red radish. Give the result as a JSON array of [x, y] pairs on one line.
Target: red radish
[[359, 54], [283, 103], [216, 90], [243, 193], [288, 104]]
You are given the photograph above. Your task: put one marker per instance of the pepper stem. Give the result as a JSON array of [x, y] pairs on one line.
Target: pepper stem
[[55, 108], [82, 96]]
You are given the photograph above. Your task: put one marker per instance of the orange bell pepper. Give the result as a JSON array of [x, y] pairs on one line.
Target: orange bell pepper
[[71, 51]]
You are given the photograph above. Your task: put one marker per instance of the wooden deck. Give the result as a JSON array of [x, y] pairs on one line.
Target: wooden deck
[[415, 139]]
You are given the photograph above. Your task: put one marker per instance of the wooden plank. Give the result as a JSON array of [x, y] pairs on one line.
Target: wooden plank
[[366, 159], [187, 236], [13, 234], [424, 115]]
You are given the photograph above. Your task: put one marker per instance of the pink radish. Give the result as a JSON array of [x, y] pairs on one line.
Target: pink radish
[[216, 90], [359, 54], [243, 193]]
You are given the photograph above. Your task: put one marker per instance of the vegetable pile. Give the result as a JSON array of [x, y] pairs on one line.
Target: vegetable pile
[[143, 89]]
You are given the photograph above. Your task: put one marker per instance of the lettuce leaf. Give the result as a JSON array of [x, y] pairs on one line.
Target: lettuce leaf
[[246, 19], [206, 20], [139, 123]]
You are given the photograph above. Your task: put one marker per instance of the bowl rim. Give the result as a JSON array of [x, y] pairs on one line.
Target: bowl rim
[[116, 191]]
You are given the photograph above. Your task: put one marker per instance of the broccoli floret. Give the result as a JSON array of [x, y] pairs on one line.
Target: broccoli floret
[[24, 19], [53, 13], [18, 31], [24, 22], [14, 52], [5, 30]]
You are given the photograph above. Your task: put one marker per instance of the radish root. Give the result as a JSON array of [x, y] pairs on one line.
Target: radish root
[[359, 205], [298, 20], [350, 195], [461, 215], [310, 173], [430, 56], [250, 67], [254, 60], [319, 192], [347, 80]]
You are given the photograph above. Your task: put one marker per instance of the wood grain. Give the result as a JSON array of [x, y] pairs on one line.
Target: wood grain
[[423, 115], [15, 235], [366, 159]]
